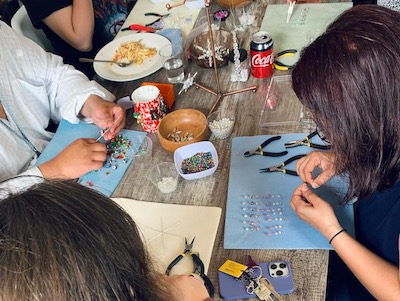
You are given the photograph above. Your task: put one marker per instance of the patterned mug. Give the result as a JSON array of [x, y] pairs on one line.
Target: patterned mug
[[149, 107]]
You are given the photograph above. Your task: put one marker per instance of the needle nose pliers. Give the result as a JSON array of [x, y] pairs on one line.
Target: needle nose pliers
[[160, 17], [282, 165], [197, 263], [259, 150], [306, 141]]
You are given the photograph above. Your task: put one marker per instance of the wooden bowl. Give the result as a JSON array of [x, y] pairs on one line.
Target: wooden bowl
[[182, 122]]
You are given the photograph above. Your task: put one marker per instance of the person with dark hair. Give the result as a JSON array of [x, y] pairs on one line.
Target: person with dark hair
[[36, 89], [78, 28], [349, 79], [61, 241]]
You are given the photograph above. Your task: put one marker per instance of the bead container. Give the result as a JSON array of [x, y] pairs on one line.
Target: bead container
[[221, 124]]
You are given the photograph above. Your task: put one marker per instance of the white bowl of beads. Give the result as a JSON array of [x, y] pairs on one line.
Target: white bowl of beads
[[196, 160], [221, 124]]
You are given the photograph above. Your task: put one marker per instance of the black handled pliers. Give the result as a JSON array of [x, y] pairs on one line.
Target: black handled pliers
[[160, 17], [306, 141], [281, 66], [283, 164], [259, 150], [197, 263]]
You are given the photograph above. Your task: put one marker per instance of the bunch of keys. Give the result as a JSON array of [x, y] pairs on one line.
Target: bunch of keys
[[262, 288]]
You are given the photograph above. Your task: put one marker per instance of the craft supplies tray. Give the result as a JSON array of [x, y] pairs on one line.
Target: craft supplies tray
[[258, 212], [281, 105]]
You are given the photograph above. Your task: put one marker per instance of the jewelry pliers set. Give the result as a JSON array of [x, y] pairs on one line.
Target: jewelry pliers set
[[281, 167]]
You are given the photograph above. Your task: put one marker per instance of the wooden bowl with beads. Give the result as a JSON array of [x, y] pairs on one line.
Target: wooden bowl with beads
[[182, 127]]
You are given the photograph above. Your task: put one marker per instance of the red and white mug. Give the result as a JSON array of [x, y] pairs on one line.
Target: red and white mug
[[149, 107]]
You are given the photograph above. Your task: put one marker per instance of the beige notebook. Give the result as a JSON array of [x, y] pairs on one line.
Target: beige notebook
[[165, 226]]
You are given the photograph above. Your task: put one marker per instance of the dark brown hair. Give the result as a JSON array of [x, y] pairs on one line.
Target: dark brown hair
[[349, 78], [61, 241]]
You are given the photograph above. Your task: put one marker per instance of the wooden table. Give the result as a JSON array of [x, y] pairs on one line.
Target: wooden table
[[309, 267]]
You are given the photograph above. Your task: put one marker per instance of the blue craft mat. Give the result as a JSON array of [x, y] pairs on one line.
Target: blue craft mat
[[102, 182], [246, 181]]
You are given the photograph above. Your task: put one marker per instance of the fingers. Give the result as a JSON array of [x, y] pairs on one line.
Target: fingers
[[306, 166]]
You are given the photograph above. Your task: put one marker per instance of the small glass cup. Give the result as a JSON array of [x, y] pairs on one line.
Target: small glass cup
[[221, 124], [173, 59], [164, 176], [143, 154]]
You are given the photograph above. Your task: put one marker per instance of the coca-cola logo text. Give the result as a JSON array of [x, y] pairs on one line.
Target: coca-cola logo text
[[262, 61]]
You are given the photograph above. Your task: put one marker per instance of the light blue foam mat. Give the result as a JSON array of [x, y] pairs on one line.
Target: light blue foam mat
[[258, 212], [104, 180]]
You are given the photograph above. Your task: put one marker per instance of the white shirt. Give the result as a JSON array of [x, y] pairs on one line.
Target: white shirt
[[35, 87]]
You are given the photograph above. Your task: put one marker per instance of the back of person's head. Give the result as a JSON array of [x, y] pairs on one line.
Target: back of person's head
[[60, 241], [349, 79]]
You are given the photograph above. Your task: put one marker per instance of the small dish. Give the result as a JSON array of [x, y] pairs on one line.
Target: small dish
[[191, 150], [221, 124]]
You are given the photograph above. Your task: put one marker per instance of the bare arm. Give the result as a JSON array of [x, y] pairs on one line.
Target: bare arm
[[379, 277], [74, 24]]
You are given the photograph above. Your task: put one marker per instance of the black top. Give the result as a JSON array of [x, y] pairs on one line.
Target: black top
[[109, 17]]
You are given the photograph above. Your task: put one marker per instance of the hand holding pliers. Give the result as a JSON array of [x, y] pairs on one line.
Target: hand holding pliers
[[259, 150], [282, 165], [197, 263], [306, 141]]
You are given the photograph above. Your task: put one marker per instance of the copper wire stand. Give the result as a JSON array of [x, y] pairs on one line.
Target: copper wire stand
[[220, 95]]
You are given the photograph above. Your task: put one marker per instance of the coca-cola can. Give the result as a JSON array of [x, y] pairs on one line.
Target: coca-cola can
[[261, 53]]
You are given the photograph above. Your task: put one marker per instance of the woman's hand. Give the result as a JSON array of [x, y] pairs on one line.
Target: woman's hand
[[77, 159], [189, 288], [105, 114], [306, 165], [315, 211]]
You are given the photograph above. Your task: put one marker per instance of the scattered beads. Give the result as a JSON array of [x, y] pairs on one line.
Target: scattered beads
[[167, 184], [221, 128], [197, 163]]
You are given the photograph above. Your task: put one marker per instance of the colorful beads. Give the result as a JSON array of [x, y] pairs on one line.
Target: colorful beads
[[197, 163]]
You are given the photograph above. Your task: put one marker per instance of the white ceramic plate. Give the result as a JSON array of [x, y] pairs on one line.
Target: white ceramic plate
[[122, 74]]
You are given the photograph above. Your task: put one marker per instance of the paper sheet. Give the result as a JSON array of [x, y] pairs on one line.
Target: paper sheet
[[104, 180], [165, 226], [270, 193], [308, 21]]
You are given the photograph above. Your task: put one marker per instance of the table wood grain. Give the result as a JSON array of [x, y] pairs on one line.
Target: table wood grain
[[309, 267]]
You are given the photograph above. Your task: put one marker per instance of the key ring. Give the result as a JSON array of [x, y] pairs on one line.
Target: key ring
[[254, 282]]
